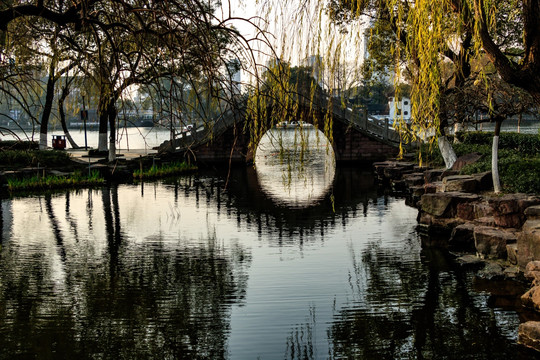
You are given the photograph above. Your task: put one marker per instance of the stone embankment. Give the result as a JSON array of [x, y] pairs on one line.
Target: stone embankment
[[462, 214]]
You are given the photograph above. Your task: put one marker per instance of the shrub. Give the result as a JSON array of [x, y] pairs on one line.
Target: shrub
[[519, 158], [523, 176], [528, 144], [18, 145], [24, 158]]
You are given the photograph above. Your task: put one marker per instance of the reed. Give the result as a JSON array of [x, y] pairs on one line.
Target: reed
[[51, 182], [164, 170]]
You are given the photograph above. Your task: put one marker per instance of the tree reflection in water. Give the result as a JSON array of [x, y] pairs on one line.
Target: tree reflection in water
[[60, 297], [420, 310]]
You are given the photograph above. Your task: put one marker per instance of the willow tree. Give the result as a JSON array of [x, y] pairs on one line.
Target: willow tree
[[427, 33]]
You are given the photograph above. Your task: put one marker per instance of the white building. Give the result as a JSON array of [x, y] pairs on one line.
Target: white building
[[400, 108]]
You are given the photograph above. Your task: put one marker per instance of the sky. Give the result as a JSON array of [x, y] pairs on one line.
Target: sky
[[296, 30]]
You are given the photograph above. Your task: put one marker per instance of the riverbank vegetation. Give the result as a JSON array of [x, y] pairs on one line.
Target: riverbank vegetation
[[519, 158], [15, 159], [164, 170], [53, 182]]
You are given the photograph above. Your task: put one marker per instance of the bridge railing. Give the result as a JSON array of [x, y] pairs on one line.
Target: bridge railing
[[358, 118], [354, 116], [202, 134]]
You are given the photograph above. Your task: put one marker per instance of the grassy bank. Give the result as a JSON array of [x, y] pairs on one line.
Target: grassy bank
[[164, 170], [53, 182], [519, 158]]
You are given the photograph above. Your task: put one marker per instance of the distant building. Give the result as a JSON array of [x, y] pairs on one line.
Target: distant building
[[399, 108]]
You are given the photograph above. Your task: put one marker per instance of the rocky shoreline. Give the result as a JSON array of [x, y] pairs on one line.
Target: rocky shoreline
[[498, 233]]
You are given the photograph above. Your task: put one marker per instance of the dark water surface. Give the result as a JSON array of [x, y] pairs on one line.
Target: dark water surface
[[187, 270]]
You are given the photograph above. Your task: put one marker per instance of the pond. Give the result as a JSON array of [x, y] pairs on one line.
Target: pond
[[224, 265]]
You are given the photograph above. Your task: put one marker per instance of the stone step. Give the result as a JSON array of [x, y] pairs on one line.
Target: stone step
[[462, 183]]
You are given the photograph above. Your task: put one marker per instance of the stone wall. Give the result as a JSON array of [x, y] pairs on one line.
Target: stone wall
[[460, 213]]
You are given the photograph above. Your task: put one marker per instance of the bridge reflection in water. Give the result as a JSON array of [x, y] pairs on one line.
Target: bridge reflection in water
[[295, 167]]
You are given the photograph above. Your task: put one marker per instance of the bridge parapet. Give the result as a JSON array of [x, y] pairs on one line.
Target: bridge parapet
[[359, 119], [356, 135]]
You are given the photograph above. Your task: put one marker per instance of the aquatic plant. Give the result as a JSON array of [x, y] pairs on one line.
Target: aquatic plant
[[50, 182], [164, 170]]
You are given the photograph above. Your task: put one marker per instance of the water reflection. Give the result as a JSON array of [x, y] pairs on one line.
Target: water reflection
[[102, 294], [186, 269], [410, 309], [295, 167]]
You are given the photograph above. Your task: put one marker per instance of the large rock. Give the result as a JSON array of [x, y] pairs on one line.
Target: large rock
[[462, 238], [393, 170], [492, 272], [529, 334], [485, 181], [445, 204], [398, 186], [462, 183], [533, 212], [433, 175], [485, 221], [380, 166], [491, 242], [440, 225], [466, 160], [473, 210], [511, 251], [448, 172], [531, 225], [532, 272], [509, 210], [531, 299], [470, 261], [414, 179], [529, 243], [434, 187]]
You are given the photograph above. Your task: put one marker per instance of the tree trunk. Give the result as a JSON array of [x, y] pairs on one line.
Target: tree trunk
[[111, 112], [49, 97], [495, 157], [103, 120], [447, 151], [65, 93]]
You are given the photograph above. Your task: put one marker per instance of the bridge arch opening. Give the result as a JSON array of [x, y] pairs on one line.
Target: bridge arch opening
[[295, 165]]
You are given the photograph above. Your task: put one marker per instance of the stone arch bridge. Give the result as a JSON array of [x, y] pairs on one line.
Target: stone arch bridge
[[357, 137]]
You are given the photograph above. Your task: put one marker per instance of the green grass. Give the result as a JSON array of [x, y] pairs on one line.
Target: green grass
[[519, 158], [164, 171], [52, 182]]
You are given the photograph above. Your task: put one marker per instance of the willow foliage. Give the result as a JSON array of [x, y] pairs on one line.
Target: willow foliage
[[305, 66], [435, 45]]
